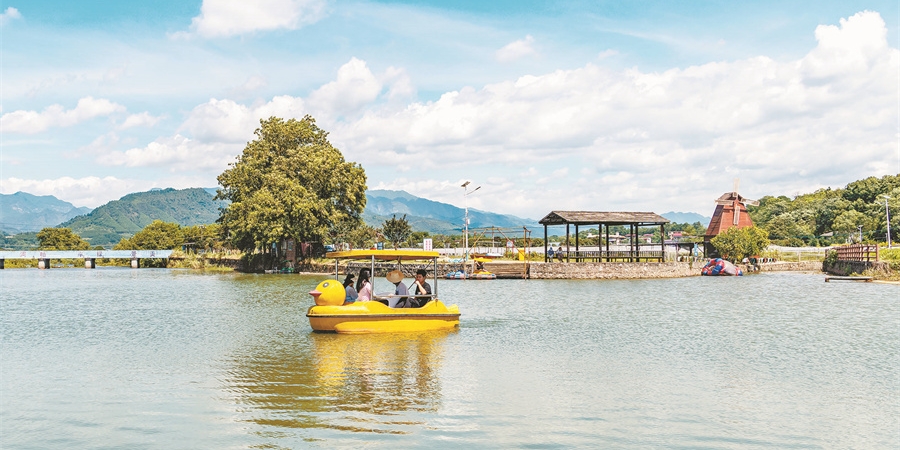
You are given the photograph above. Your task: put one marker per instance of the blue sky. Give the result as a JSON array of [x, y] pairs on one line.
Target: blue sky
[[578, 105]]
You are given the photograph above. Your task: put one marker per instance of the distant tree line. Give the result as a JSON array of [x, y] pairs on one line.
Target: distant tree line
[[831, 216]]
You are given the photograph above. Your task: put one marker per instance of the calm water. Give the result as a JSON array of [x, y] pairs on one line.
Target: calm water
[[163, 359]]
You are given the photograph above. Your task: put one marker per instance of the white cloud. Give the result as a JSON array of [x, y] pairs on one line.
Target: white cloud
[[516, 50], [9, 15], [641, 139], [583, 138], [30, 122], [252, 84], [857, 46], [354, 88], [143, 119], [227, 121], [607, 53], [221, 18], [176, 154]]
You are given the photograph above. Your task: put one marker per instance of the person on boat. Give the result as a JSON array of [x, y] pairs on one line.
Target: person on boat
[[419, 288], [396, 277], [352, 295], [363, 286]]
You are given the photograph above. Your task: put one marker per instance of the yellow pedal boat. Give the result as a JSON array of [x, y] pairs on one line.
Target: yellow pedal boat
[[329, 314]]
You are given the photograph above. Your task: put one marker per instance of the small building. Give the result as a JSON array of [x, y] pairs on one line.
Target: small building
[[604, 220]]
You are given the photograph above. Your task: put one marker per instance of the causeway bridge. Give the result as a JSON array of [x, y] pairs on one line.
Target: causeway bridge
[[89, 256]]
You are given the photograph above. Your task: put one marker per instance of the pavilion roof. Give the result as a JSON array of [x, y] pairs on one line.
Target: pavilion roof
[[598, 217]]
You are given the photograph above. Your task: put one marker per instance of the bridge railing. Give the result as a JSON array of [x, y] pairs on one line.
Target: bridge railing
[[85, 254]]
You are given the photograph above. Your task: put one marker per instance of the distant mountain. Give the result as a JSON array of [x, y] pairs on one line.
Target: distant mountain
[[108, 224], [432, 216], [22, 212], [680, 217]]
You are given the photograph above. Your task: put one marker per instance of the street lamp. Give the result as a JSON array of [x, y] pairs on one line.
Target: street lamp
[[887, 215], [466, 203]]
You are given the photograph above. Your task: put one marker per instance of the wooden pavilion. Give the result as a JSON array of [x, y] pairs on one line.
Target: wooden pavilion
[[633, 220]]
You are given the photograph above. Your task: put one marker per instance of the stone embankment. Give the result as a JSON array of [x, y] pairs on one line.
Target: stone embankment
[[844, 268], [803, 266], [613, 270]]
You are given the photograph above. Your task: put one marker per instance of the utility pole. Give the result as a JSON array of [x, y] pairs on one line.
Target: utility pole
[[887, 215], [466, 193]]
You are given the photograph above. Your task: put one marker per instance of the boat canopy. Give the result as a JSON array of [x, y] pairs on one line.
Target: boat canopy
[[384, 255]]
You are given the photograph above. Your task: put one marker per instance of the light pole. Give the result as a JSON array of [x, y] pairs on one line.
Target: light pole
[[887, 215], [859, 227], [466, 193]]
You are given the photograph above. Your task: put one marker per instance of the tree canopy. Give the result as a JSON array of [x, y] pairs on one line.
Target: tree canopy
[[396, 231], [60, 239], [289, 182], [831, 216], [158, 235], [735, 244]]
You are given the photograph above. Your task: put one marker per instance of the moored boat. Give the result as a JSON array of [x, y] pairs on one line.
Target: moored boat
[[330, 314]]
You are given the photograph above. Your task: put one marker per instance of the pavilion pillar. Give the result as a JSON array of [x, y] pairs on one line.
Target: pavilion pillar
[[607, 242], [576, 243], [662, 242], [2, 264], [567, 241], [545, 244], [633, 243]]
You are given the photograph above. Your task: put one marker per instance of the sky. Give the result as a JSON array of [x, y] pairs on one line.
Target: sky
[[559, 105]]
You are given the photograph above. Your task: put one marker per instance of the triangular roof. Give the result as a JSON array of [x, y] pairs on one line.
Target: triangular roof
[[598, 217], [723, 217]]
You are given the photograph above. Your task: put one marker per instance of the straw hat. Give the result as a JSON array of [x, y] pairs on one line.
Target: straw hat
[[395, 276]]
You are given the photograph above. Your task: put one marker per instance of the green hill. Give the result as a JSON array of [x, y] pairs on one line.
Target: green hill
[[109, 223]]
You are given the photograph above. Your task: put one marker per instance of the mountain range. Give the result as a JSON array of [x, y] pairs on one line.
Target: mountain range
[[108, 224], [22, 212]]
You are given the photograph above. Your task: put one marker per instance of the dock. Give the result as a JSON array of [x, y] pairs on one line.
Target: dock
[[829, 278]]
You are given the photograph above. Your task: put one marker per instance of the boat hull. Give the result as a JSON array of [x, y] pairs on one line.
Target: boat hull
[[375, 317], [471, 276]]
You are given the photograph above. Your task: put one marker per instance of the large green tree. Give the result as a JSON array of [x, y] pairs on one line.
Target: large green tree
[[60, 239], [735, 244], [289, 182], [158, 235], [396, 231]]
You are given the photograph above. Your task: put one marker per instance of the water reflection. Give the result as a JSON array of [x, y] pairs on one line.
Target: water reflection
[[361, 383]]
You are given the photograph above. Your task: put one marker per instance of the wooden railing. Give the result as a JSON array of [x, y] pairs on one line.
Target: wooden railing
[[610, 256], [857, 252]]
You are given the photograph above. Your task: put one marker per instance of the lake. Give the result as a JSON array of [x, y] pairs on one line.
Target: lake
[[117, 358]]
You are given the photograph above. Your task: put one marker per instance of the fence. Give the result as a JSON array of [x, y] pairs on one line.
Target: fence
[[857, 252]]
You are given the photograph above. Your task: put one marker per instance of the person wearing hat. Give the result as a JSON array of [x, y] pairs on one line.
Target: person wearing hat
[[396, 277], [352, 295]]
